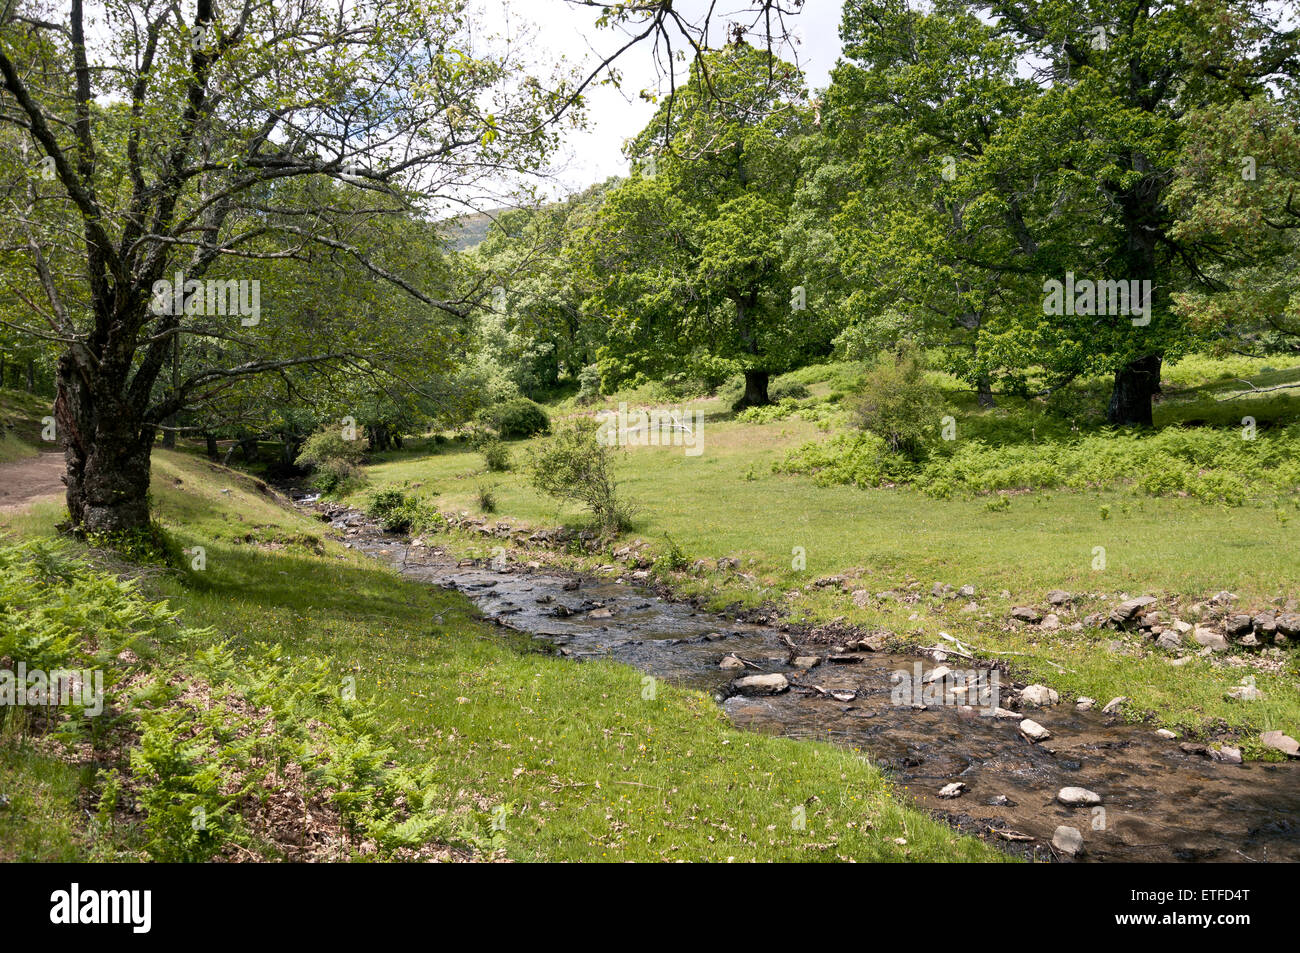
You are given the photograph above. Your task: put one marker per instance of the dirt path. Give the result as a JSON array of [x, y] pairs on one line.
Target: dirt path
[[27, 481]]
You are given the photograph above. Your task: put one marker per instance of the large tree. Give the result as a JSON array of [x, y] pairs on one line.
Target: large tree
[[1238, 192], [1075, 178], [689, 251], [162, 146], [899, 237]]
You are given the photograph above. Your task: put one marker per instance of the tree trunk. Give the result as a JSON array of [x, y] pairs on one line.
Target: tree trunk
[[211, 440], [984, 393], [169, 435], [755, 390], [31, 376], [1135, 384], [106, 449]]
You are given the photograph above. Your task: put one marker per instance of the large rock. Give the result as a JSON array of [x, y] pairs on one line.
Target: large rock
[[1245, 693], [1280, 742], [956, 789], [1226, 755], [1209, 639], [731, 664], [1026, 614], [772, 684], [1034, 731], [1039, 696], [1238, 624], [1068, 841], [1078, 797], [1169, 639], [1289, 625], [1058, 597], [1127, 610]]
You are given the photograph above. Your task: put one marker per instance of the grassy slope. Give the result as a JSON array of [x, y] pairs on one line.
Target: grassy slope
[[586, 768], [23, 411], [727, 502]]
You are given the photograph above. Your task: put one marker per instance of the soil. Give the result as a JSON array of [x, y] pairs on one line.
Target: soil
[[28, 481]]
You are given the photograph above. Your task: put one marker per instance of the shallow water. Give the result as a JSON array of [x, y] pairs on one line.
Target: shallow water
[[1158, 802]]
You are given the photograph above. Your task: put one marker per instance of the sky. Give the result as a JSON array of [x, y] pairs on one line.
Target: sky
[[558, 28]]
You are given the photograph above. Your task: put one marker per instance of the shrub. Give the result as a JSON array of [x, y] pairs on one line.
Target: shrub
[[766, 414], [337, 476], [487, 498], [399, 513], [789, 389], [1207, 464], [335, 463], [496, 455], [898, 405], [675, 558], [518, 418], [573, 465], [589, 384]]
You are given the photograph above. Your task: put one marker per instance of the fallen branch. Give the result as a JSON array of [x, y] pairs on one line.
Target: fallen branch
[[1256, 390]]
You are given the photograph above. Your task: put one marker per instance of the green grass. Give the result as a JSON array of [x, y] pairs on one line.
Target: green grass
[[728, 502], [576, 761], [42, 819], [20, 425]]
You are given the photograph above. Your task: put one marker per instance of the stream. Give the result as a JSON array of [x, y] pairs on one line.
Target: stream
[[1159, 803]]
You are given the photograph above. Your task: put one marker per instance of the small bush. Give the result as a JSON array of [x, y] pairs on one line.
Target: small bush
[[898, 405], [496, 455], [589, 384], [487, 499], [399, 513], [675, 558], [335, 463], [337, 476], [789, 389], [574, 466], [516, 419]]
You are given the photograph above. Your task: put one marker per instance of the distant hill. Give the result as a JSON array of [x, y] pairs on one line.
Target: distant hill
[[470, 230]]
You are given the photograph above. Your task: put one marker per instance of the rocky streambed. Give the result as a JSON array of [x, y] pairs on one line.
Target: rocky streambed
[[1013, 765]]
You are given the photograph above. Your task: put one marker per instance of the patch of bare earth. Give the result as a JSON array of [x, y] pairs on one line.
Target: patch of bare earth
[[26, 481]]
